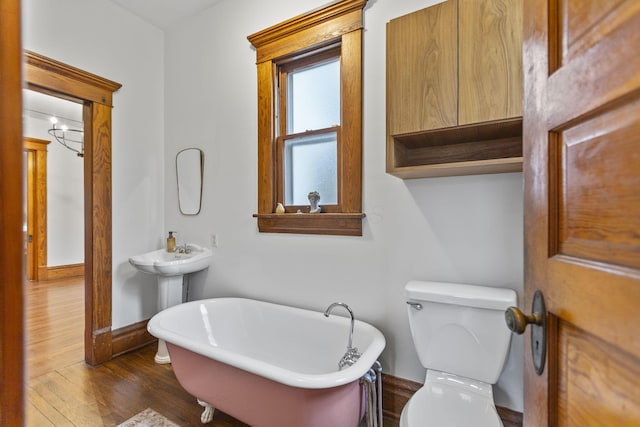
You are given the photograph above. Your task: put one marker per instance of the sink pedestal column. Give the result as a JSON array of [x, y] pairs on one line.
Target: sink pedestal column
[[169, 269], [169, 294]]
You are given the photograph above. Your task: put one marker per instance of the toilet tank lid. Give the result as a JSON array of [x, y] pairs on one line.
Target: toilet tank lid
[[461, 294]]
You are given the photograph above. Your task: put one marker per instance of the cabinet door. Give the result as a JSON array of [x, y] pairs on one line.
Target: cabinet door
[[490, 60], [422, 70]]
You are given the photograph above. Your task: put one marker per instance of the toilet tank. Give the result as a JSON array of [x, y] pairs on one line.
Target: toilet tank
[[460, 328]]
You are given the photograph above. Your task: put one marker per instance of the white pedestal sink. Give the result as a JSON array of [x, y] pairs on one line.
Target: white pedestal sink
[[170, 268]]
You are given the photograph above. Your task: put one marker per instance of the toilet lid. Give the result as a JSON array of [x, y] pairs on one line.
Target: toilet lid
[[437, 407]]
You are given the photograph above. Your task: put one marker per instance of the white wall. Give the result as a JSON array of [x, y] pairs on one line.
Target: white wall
[[466, 229], [100, 37]]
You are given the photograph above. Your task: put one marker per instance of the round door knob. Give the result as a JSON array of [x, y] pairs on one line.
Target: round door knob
[[517, 321]]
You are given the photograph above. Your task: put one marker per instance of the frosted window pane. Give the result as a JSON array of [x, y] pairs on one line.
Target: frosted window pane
[[310, 164], [314, 97]]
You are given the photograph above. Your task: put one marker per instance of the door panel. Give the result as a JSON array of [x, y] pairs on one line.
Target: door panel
[[595, 377], [598, 185], [604, 71], [581, 23], [582, 208]]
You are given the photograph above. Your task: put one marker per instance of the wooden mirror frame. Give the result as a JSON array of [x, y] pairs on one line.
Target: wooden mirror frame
[[54, 78]]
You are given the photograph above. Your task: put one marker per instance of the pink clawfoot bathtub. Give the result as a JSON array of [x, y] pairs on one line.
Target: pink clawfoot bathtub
[[267, 364]]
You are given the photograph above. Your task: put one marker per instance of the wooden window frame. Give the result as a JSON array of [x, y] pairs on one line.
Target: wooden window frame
[[339, 23]]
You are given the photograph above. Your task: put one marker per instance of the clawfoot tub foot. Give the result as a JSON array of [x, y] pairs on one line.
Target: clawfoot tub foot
[[207, 414]]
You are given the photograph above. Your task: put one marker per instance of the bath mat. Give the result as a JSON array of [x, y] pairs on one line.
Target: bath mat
[[148, 418]]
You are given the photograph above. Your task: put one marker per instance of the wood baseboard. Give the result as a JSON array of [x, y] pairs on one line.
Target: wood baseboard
[[397, 391], [42, 273], [395, 394], [64, 271], [509, 417], [131, 337]]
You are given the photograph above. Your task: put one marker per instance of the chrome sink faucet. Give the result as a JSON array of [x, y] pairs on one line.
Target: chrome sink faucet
[[352, 354], [184, 249]]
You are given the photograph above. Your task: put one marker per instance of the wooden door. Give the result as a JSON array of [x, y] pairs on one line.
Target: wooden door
[[29, 166], [582, 209], [36, 204]]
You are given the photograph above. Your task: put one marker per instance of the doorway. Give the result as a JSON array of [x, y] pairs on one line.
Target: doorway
[[95, 93], [54, 233], [54, 212]]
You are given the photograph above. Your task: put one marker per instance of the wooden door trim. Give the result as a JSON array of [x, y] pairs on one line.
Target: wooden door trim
[[53, 77], [11, 259], [48, 76], [38, 197]]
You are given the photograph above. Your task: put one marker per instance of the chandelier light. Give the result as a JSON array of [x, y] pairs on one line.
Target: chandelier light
[[72, 139]]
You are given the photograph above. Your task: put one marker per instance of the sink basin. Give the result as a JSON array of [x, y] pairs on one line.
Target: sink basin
[[170, 268], [165, 263]]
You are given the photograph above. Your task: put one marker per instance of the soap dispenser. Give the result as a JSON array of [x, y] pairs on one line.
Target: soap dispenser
[[171, 242]]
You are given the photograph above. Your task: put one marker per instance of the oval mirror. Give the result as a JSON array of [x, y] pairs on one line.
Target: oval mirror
[[189, 170]]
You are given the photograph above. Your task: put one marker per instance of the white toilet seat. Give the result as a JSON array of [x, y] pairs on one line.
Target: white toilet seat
[[451, 401]]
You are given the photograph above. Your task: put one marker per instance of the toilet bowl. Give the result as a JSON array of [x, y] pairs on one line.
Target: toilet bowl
[[462, 340]]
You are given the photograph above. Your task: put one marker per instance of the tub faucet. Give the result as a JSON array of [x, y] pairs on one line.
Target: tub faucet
[[352, 355]]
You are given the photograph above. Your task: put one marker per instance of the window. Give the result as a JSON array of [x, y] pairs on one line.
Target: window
[[310, 164], [310, 121]]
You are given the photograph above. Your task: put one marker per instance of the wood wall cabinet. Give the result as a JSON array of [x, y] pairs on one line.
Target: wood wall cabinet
[[454, 89]]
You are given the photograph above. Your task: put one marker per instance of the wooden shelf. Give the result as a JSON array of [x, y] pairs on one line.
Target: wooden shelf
[[343, 224], [490, 147]]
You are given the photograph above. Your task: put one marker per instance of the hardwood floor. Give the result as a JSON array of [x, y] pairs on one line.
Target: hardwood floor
[[62, 390], [54, 324]]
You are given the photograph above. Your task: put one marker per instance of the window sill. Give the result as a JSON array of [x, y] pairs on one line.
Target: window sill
[[340, 224]]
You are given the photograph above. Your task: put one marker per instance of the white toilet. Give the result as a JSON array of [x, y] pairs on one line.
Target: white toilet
[[462, 339]]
